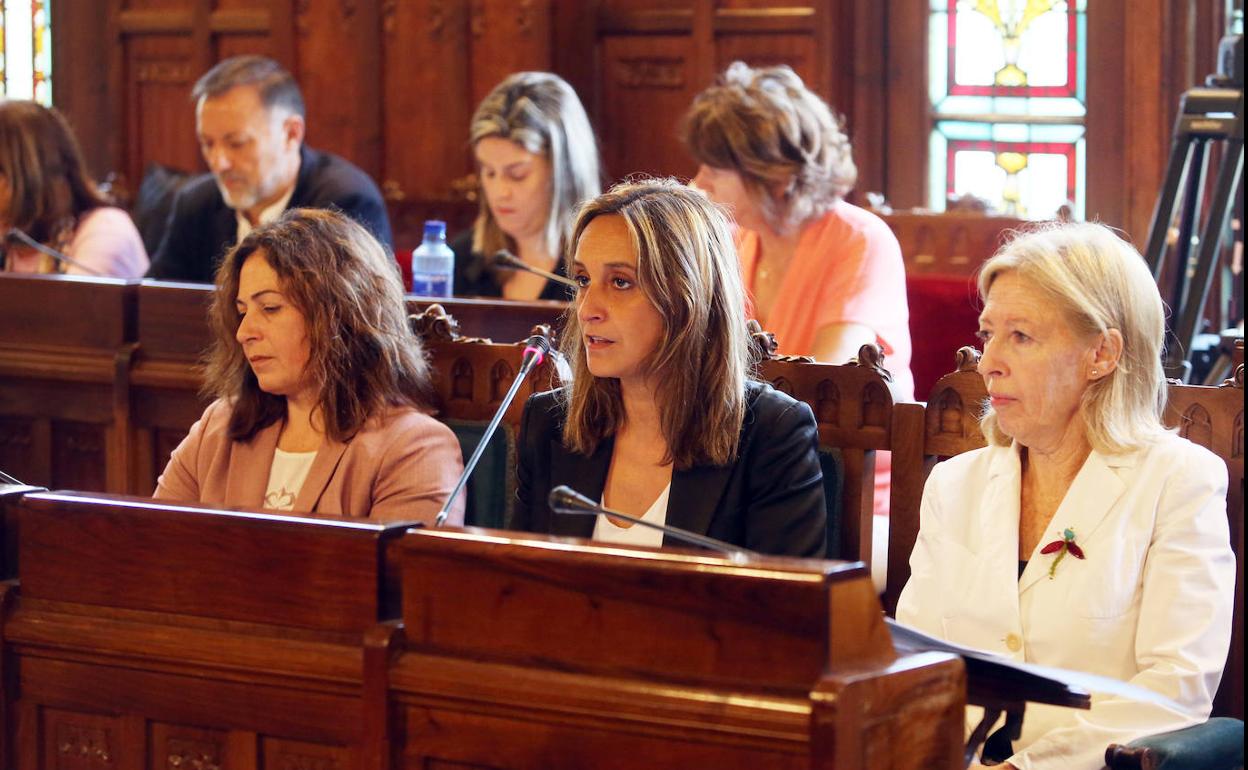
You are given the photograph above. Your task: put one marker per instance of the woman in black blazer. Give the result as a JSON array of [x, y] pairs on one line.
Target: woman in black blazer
[[661, 420]]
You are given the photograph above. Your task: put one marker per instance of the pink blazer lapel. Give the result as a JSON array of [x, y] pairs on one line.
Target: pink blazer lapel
[[324, 465], [250, 464]]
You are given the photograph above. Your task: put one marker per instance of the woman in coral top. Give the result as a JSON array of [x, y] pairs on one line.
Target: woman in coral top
[[824, 276]]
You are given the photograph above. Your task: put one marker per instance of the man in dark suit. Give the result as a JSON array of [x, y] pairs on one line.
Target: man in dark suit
[[250, 120]]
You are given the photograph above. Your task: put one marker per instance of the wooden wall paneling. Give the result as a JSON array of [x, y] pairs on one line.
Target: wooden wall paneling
[[160, 70], [864, 55], [506, 36], [339, 60], [648, 83], [574, 47], [908, 113], [797, 49], [83, 79], [426, 96]]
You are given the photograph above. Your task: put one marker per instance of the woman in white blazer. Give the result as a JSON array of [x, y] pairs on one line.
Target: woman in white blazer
[[1085, 535]]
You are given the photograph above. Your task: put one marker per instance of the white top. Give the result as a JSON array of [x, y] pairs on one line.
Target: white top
[[286, 477], [637, 534], [270, 214]]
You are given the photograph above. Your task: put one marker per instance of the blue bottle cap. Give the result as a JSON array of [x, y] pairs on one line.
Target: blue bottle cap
[[435, 228]]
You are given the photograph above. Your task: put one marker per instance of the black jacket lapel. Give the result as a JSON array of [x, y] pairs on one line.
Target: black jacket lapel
[[695, 496], [587, 475]]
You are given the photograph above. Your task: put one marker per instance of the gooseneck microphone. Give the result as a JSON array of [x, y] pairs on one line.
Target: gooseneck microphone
[[535, 350], [566, 500], [505, 259], [14, 234]]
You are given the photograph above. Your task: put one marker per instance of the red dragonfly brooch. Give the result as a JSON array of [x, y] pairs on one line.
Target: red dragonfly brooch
[[1061, 548]]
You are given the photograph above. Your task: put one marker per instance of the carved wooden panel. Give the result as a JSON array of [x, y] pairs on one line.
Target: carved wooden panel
[[342, 90], [79, 456], [177, 747], [796, 50], [299, 755], [507, 36], [160, 117], [25, 449], [647, 84], [426, 98], [77, 741]]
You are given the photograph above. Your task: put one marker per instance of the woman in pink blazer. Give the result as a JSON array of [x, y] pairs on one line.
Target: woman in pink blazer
[[321, 386]]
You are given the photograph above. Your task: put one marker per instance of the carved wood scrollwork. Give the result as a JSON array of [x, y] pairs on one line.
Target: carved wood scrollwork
[[967, 359], [83, 746], [763, 345], [871, 356], [435, 325]]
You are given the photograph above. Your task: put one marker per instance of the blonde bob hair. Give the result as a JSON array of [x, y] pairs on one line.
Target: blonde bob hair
[[541, 113], [784, 141], [687, 268], [1098, 282]]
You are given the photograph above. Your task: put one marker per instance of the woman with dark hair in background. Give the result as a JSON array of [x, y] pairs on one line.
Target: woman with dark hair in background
[[321, 386], [537, 161], [46, 194]]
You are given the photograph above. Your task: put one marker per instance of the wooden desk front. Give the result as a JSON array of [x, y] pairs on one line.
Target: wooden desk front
[[142, 635]]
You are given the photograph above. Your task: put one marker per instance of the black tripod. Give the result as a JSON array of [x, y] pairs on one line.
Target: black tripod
[[1214, 113]]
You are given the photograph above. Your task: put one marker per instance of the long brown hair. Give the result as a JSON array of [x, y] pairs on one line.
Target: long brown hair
[[363, 356], [40, 158], [687, 267]]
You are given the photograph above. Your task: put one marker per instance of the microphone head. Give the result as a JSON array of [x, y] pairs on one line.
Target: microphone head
[[564, 496], [538, 346]]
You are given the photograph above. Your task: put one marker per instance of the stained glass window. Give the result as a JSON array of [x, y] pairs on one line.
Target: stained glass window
[[1008, 92], [26, 49]]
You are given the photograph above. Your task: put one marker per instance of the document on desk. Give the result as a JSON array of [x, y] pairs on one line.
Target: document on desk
[[1037, 683]]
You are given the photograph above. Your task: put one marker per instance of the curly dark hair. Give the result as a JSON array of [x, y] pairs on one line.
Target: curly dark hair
[[363, 355]]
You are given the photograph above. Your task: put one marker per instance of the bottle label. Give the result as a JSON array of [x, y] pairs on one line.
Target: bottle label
[[431, 284]]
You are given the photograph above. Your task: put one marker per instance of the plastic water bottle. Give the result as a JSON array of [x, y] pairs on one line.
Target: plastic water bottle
[[433, 263]]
